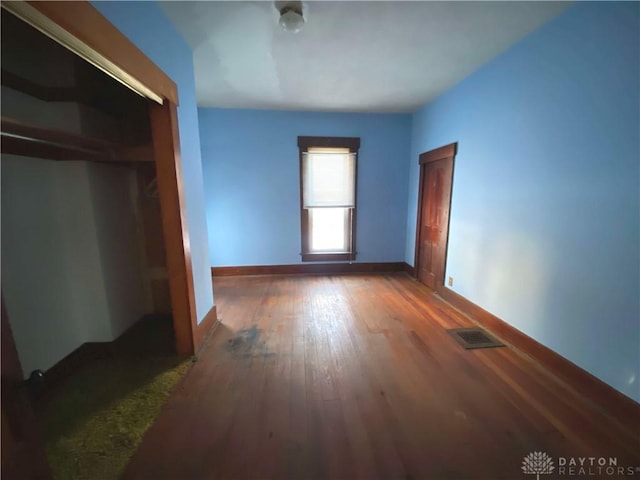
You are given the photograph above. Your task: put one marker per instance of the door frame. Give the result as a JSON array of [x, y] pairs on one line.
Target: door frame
[[81, 28], [443, 153]]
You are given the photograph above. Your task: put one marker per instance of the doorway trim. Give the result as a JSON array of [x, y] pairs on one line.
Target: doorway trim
[[446, 152], [81, 28]]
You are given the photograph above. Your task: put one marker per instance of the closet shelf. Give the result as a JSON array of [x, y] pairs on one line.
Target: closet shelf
[[20, 138]]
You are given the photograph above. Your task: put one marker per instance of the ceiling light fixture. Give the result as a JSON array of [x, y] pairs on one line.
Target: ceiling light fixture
[[292, 17]]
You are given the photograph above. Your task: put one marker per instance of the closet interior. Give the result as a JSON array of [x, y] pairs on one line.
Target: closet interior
[[83, 254]]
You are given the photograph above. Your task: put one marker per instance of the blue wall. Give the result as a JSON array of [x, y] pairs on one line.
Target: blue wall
[[251, 175], [545, 209], [145, 24], [545, 212]]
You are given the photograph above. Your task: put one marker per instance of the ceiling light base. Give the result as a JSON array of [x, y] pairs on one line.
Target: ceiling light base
[[291, 17]]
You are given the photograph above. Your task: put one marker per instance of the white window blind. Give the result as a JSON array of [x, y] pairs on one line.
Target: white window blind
[[328, 178]]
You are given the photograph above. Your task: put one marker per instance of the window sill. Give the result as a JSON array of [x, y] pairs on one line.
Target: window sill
[[328, 257]]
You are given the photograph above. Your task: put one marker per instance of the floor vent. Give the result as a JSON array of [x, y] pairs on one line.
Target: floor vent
[[474, 338]]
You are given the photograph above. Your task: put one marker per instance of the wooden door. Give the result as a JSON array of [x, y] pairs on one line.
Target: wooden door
[[23, 454], [436, 175]]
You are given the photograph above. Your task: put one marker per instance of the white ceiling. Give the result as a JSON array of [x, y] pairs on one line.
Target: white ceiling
[[351, 56]]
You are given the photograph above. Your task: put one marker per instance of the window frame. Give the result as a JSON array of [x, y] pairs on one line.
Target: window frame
[[304, 144]]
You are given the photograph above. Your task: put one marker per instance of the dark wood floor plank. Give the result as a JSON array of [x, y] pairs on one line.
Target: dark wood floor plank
[[355, 377]]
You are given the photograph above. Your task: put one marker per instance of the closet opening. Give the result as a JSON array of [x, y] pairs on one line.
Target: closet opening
[[83, 249]]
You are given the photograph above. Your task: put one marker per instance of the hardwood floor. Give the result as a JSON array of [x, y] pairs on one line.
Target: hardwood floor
[[355, 377]]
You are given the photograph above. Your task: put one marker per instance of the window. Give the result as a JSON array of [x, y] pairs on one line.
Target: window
[[328, 167]]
